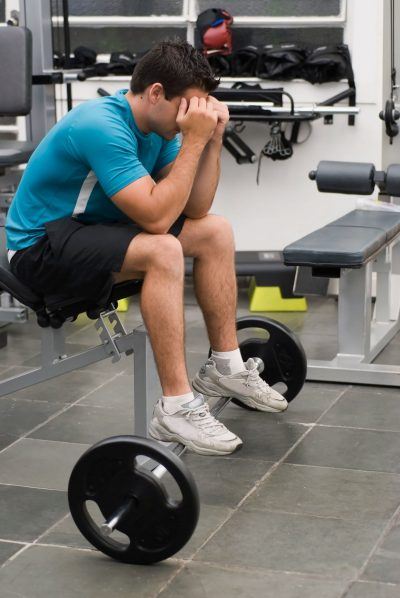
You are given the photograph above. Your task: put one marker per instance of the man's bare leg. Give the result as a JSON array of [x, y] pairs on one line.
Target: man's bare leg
[[159, 259], [178, 417], [210, 241]]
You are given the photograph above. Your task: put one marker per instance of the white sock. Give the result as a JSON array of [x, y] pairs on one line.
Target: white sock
[[173, 404], [228, 362]]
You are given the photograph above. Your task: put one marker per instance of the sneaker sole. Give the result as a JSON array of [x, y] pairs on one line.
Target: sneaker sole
[[158, 432], [259, 407], [208, 388], [212, 390]]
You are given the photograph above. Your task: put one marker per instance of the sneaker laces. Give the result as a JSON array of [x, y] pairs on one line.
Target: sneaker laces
[[203, 419], [254, 379]]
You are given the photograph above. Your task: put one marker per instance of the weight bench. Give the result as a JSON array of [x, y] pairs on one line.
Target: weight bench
[[16, 94], [114, 343], [353, 248], [15, 100]]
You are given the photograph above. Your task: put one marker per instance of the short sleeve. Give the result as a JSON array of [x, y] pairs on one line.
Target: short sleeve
[[110, 149], [168, 153]]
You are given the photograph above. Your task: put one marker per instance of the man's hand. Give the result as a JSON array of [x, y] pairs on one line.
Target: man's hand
[[223, 116], [197, 121]]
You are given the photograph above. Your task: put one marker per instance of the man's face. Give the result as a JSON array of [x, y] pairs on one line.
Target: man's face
[[164, 112]]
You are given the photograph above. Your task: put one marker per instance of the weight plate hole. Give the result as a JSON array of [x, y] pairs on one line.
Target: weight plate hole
[[168, 482], [280, 387], [97, 518], [253, 333]]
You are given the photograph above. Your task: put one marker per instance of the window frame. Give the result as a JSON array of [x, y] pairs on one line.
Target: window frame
[[189, 16]]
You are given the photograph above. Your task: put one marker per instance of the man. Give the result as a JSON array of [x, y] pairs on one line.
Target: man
[[111, 194]]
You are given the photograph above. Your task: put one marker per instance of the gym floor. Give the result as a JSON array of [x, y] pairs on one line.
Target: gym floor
[[309, 508]]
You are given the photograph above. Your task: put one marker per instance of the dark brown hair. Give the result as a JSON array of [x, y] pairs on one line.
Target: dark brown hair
[[177, 66]]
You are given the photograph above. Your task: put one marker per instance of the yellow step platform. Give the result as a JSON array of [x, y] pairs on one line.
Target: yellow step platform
[[270, 299], [123, 304]]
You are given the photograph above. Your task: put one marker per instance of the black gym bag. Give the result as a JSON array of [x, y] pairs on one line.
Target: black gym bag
[[220, 65], [284, 61], [245, 61], [328, 63]]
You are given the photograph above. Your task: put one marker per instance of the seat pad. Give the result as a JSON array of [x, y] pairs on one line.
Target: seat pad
[[348, 242], [13, 153]]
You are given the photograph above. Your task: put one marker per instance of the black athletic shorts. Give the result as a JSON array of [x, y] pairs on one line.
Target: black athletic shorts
[[74, 260]]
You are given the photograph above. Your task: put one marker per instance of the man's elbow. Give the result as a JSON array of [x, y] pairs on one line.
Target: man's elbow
[[156, 228], [195, 215]]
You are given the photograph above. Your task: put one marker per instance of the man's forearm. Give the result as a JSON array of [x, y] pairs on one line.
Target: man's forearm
[[206, 180], [171, 193]]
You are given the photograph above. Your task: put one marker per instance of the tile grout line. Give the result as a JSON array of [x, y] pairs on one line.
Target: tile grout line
[[249, 493], [34, 487], [6, 541], [382, 536], [357, 428], [37, 542], [389, 473], [15, 555], [60, 412], [263, 570], [48, 530], [367, 582]]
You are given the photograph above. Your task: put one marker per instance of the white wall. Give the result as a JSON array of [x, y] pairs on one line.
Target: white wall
[[390, 152], [286, 204]]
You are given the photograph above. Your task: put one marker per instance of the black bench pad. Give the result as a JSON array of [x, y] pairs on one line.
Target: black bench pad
[[13, 153], [71, 307], [348, 242]]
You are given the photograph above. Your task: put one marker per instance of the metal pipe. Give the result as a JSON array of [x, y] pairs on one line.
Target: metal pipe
[[315, 108], [240, 21], [67, 49], [109, 526]]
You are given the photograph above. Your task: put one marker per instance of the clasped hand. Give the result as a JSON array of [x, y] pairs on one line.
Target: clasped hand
[[203, 118]]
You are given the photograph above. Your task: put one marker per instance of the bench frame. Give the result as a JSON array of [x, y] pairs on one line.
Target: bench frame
[[363, 330], [115, 343]]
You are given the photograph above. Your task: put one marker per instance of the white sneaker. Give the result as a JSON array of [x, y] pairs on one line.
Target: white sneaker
[[247, 386], [195, 427]]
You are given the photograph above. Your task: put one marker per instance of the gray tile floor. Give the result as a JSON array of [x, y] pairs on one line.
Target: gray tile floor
[[309, 508]]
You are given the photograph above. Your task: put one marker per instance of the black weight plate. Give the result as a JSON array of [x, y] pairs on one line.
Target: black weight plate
[[156, 525], [282, 353]]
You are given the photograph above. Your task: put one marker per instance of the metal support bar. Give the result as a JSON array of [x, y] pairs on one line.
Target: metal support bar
[[147, 388], [54, 364], [108, 321], [354, 317], [353, 373], [69, 364], [11, 314], [360, 337], [53, 346], [383, 283], [37, 17]]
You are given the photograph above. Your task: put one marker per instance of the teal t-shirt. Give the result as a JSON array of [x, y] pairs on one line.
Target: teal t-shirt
[[93, 152]]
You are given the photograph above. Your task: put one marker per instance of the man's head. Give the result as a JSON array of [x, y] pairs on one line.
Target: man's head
[[168, 72]]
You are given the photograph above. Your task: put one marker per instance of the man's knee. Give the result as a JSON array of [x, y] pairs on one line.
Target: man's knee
[[165, 255], [166, 252], [147, 252], [218, 231]]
